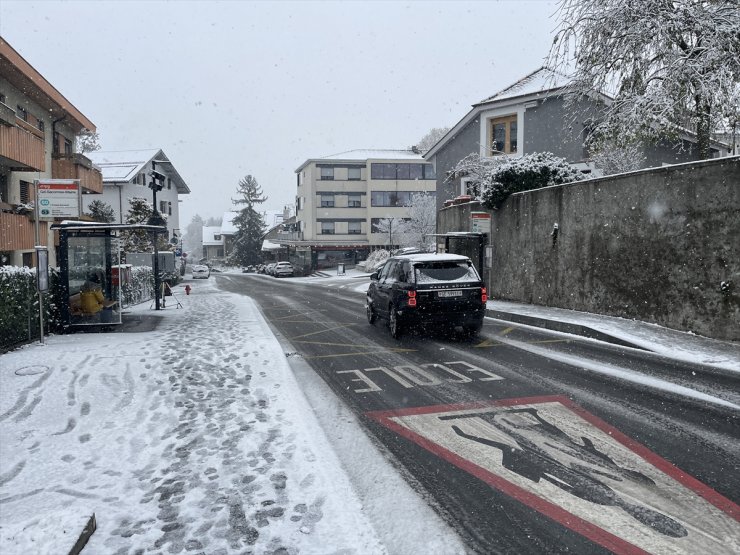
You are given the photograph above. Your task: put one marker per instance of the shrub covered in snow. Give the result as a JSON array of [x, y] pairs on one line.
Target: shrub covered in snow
[[375, 260], [19, 305], [531, 171], [141, 287]]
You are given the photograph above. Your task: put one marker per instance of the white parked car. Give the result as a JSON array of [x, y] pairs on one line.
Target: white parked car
[[201, 271], [283, 269]]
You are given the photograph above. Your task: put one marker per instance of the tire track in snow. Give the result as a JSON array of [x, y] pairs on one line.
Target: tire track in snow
[[25, 392], [12, 473]]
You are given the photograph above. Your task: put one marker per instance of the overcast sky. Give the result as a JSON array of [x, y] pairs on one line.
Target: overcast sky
[[234, 88]]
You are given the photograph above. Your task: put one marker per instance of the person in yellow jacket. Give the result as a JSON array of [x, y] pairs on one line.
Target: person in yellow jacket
[[91, 296]]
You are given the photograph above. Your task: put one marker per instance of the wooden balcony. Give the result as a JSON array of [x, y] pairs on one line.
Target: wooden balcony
[[16, 232], [21, 144], [77, 166]]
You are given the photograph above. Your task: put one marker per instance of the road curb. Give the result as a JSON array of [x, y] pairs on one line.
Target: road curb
[[564, 327]]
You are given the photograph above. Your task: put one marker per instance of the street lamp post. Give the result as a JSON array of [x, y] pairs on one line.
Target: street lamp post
[[156, 184]]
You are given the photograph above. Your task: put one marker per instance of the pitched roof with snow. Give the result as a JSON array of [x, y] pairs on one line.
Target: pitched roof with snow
[[209, 235], [539, 81], [123, 165], [363, 155]]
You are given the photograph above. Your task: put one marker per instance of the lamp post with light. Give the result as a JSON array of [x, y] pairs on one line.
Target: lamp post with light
[[156, 219]]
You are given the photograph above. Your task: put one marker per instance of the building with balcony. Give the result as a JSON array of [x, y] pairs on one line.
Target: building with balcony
[[126, 175], [38, 127], [342, 198]]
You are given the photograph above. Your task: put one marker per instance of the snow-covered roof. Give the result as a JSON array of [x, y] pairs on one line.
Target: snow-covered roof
[[270, 246], [123, 165], [363, 155], [209, 235], [227, 223], [539, 81]]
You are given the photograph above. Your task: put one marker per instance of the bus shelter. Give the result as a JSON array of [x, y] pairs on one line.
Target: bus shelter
[[91, 274]]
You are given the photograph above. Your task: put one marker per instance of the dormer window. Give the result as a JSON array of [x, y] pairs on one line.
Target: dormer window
[[502, 133]]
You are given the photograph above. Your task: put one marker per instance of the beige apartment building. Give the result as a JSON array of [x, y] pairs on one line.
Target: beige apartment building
[[341, 198], [38, 126]]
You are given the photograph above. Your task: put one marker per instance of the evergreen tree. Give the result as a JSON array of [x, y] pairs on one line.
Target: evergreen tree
[[101, 211], [140, 240], [249, 223]]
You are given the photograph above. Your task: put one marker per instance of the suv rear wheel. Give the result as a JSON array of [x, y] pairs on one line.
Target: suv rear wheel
[[393, 323], [371, 316]]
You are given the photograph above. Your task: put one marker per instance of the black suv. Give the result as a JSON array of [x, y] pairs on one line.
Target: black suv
[[421, 289]]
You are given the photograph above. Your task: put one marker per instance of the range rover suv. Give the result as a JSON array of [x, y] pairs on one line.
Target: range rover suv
[[427, 289]]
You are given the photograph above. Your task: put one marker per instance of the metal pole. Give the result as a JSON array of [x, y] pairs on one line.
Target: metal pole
[[37, 234]]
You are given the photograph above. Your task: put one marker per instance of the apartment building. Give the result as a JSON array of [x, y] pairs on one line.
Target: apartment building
[[38, 127], [341, 198]]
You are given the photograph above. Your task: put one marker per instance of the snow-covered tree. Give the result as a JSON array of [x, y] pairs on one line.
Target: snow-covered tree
[[422, 222], [396, 230], [192, 240], [140, 212], [101, 211], [667, 64], [249, 222], [476, 170], [431, 138], [87, 141], [613, 158]]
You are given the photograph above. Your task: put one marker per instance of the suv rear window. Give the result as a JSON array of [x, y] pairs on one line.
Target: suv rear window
[[426, 272]]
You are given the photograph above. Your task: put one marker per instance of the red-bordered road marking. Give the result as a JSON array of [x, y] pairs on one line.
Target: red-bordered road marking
[[405, 423]]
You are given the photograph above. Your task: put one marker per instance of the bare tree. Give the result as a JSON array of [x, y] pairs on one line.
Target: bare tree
[[422, 221], [666, 64], [396, 229], [87, 141], [431, 138]]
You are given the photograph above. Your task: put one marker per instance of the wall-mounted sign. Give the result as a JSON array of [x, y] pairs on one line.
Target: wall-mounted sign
[[58, 198], [480, 222]]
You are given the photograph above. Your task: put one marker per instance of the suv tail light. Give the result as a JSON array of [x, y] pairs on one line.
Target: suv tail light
[[412, 298], [483, 295]]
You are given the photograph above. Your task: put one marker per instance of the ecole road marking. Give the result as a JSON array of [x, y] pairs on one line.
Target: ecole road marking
[[571, 466], [415, 375]]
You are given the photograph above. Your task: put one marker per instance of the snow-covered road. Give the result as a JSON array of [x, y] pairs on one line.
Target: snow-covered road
[[191, 438]]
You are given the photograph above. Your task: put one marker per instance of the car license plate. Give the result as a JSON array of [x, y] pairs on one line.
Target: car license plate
[[449, 293]]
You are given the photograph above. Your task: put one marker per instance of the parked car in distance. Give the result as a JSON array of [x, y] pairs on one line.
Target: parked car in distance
[[283, 269], [201, 271], [249, 269], [427, 289], [269, 268]]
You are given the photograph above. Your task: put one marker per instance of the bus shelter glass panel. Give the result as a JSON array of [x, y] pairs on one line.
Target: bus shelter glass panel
[[94, 294]]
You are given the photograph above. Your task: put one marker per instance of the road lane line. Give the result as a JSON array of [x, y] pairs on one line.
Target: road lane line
[[507, 330], [324, 330], [364, 353]]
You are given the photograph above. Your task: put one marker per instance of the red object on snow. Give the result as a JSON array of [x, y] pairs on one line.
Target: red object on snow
[[187, 289]]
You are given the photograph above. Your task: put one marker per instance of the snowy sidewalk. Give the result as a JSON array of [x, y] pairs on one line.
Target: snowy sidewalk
[[194, 437]]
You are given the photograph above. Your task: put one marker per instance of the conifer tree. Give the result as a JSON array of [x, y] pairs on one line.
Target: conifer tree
[[249, 222]]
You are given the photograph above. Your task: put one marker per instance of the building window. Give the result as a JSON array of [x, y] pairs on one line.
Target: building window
[[354, 228], [2, 98], [354, 200], [216, 237], [327, 228], [390, 198], [354, 174], [67, 147], [169, 183], [25, 192], [402, 171], [41, 125], [169, 208], [163, 206], [21, 112], [327, 201], [327, 174], [55, 143], [503, 136]]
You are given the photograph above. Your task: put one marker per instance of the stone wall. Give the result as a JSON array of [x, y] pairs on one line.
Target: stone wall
[[656, 245]]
